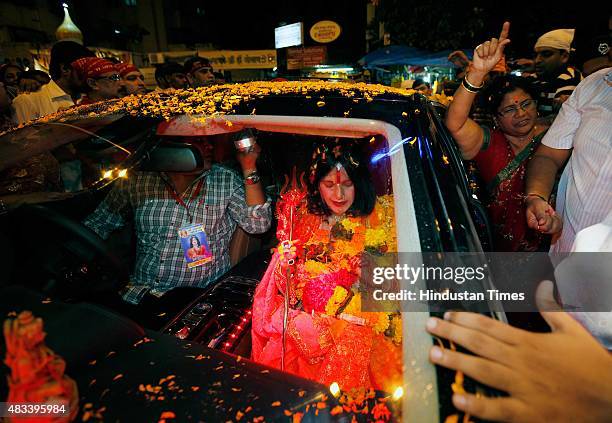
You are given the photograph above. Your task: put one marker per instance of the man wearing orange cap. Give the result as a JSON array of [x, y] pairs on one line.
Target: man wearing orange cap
[[132, 78], [556, 80], [99, 79]]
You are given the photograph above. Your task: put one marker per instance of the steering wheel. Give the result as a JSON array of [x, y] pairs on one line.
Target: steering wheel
[[82, 242]]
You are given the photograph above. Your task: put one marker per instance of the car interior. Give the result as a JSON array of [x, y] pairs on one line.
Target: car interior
[[66, 269], [47, 249]]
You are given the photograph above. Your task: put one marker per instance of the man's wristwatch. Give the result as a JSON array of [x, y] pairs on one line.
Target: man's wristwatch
[[252, 178]]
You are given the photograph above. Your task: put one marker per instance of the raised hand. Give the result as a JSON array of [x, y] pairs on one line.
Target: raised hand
[[487, 54], [248, 159]]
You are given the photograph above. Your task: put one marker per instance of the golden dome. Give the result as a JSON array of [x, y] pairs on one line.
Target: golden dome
[[68, 31]]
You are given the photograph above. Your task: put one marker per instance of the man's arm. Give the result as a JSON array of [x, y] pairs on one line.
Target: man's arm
[[254, 218], [109, 215], [254, 194], [541, 174], [248, 205], [550, 156]]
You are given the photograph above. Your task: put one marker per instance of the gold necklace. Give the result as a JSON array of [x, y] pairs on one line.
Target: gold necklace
[[518, 148]]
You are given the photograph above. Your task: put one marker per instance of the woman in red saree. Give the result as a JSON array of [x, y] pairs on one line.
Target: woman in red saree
[[501, 155], [197, 250], [323, 233]]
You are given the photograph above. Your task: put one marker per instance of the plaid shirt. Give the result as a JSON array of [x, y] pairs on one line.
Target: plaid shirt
[[160, 264]]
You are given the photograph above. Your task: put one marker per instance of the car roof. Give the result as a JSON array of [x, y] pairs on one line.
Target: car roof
[[224, 99], [308, 98]]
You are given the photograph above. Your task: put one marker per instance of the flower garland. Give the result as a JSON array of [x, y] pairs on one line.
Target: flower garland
[[332, 265]]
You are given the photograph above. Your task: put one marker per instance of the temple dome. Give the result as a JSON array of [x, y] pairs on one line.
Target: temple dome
[[68, 31]]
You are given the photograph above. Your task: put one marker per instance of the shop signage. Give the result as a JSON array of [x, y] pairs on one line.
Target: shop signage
[[325, 31], [240, 59], [289, 35], [305, 57]]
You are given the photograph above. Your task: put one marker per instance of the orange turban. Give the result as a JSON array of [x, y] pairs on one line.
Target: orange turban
[[91, 67]]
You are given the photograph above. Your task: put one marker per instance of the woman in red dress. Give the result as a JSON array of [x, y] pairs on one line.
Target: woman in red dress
[[197, 250], [501, 154], [307, 316]]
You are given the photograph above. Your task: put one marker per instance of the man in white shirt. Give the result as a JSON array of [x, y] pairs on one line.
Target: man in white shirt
[[581, 133], [583, 280], [58, 94]]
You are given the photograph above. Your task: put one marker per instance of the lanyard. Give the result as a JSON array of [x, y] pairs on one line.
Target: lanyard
[[179, 199]]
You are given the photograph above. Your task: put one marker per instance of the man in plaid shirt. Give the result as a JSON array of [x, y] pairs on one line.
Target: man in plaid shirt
[[162, 203]]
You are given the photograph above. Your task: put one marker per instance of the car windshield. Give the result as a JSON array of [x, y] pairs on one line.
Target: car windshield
[[68, 155]]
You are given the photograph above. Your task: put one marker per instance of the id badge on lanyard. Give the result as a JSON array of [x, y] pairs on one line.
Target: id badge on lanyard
[[195, 245], [194, 241]]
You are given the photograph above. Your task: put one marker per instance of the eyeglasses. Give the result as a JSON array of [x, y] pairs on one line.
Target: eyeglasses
[[526, 105], [132, 78], [116, 77]]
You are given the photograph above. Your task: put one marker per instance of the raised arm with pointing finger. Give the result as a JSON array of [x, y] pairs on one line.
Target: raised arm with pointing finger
[[468, 134]]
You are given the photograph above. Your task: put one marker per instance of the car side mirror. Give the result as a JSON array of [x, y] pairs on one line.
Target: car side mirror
[[172, 157]]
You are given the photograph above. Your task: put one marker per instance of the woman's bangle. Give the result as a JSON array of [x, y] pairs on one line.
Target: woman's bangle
[[469, 87], [531, 194]]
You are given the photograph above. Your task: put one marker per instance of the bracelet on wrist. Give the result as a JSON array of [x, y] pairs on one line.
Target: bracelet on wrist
[[252, 178], [535, 195], [469, 87]]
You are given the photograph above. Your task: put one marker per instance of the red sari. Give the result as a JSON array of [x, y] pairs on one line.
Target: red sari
[[318, 346], [195, 252], [503, 172]]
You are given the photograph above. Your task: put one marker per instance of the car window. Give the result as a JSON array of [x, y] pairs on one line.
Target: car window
[[38, 138], [67, 156]]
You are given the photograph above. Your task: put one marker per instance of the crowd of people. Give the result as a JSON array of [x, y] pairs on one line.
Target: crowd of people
[[520, 149], [545, 162], [76, 76], [546, 174]]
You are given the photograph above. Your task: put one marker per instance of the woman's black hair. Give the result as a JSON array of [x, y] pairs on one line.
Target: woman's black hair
[[501, 85], [191, 241], [348, 154]]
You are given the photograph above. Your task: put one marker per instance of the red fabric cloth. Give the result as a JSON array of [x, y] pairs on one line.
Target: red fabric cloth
[[125, 68], [194, 252], [320, 347], [91, 67], [506, 205]]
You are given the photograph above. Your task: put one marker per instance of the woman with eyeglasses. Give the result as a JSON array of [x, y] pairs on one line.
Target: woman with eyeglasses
[[501, 154]]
